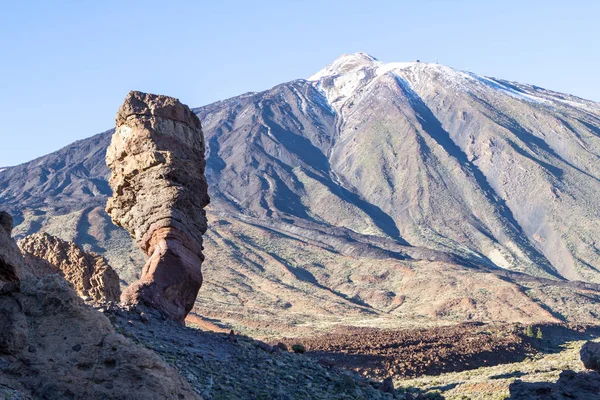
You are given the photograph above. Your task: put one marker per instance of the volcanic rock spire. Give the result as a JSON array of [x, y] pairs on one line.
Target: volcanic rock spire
[[157, 164]]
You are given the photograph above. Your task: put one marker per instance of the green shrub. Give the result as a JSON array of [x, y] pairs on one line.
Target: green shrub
[[298, 348], [529, 331], [538, 334]]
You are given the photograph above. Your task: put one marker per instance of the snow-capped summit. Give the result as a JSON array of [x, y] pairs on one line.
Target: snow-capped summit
[[354, 74], [346, 63], [349, 73]]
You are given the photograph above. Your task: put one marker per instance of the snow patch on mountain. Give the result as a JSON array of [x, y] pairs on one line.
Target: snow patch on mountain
[[506, 89], [345, 63], [342, 88], [587, 105], [353, 74], [384, 68]]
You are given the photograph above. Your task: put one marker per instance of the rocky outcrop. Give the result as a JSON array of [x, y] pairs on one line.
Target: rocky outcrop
[[590, 355], [570, 384], [53, 346], [10, 257], [156, 158], [89, 273]]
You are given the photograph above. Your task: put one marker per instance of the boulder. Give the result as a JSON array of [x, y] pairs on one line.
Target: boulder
[[89, 273], [570, 385], [590, 355], [282, 346], [156, 159], [387, 386]]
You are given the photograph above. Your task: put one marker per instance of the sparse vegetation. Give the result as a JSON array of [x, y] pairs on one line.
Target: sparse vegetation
[[298, 348], [529, 331], [493, 382], [532, 332]]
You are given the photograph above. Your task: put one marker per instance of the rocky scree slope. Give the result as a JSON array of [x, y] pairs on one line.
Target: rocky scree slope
[[314, 182]]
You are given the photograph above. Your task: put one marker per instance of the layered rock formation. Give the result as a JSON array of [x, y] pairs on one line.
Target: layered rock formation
[[156, 158], [52, 346], [89, 273]]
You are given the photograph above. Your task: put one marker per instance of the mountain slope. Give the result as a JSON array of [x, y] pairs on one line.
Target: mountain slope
[[423, 154], [322, 188]]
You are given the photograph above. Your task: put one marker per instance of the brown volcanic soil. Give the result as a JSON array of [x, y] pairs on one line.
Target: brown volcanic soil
[[409, 353]]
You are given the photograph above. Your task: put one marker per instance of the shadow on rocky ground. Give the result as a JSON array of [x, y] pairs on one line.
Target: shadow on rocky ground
[[583, 385], [232, 366], [570, 385]]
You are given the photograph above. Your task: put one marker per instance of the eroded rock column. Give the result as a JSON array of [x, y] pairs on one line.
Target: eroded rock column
[[157, 164]]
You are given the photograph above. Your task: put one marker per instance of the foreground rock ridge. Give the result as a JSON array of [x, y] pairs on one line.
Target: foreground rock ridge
[[156, 159], [53, 346], [89, 273]]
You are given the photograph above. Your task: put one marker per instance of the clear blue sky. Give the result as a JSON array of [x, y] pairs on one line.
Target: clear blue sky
[[66, 66]]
